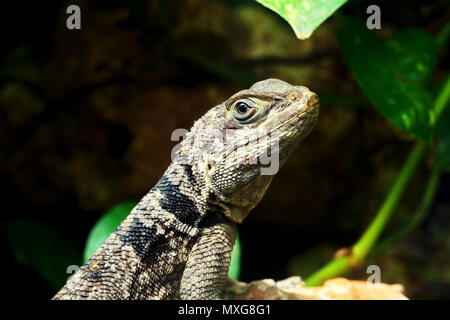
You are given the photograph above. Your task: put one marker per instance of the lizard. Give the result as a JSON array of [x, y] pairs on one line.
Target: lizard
[[177, 242]]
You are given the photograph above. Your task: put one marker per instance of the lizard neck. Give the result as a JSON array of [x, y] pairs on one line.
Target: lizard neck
[[181, 193]]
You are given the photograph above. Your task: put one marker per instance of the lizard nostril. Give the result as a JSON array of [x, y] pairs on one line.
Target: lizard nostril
[[293, 96]]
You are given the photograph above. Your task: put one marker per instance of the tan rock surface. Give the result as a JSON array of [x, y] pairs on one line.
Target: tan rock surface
[[294, 288]]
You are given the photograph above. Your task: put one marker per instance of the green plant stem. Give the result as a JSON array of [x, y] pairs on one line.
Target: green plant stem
[[419, 215], [365, 243], [368, 239], [442, 99]]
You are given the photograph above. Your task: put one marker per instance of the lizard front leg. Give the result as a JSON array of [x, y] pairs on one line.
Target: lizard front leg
[[208, 262]]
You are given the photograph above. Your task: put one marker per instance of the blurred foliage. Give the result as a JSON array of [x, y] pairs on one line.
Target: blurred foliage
[[235, 265], [397, 80], [443, 137], [43, 249], [395, 73], [304, 16]]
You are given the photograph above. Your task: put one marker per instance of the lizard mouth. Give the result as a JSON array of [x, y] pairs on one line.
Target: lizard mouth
[[311, 102]]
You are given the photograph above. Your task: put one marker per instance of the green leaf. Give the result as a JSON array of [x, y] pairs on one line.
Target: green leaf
[[304, 16], [105, 226], [235, 265], [44, 250], [394, 73]]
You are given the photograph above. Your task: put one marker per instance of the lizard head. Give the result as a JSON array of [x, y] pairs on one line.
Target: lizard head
[[246, 139]]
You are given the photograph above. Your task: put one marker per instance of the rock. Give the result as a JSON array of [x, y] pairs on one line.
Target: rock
[[293, 288]]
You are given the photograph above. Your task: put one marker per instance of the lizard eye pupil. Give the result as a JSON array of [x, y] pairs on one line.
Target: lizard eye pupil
[[242, 107]]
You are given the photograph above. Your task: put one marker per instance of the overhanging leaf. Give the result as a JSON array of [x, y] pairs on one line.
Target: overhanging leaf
[[304, 16], [393, 73]]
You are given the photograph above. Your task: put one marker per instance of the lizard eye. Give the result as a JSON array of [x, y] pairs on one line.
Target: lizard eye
[[242, 112], [242, 108]]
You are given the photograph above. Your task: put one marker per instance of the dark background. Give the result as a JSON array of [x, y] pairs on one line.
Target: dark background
[[86, 117]]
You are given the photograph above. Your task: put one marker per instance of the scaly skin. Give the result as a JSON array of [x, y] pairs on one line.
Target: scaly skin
[[177, 242]]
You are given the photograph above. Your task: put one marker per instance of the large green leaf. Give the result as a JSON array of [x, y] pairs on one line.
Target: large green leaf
[[43, 249], [111, 220], [393, 73], [105, 226], [304, 16]]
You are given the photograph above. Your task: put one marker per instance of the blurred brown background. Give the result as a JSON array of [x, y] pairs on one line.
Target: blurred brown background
[[86, 117]]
